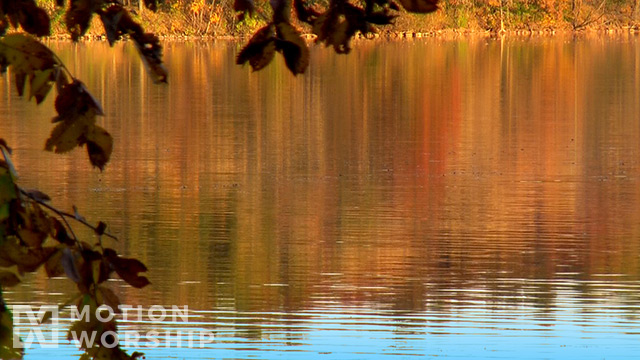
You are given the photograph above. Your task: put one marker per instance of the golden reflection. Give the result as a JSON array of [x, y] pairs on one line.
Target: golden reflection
[[405, 176]]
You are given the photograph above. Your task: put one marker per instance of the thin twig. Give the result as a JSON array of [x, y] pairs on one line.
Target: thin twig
[[64, 214]]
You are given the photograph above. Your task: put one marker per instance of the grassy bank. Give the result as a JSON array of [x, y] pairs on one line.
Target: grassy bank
[[212, 18]]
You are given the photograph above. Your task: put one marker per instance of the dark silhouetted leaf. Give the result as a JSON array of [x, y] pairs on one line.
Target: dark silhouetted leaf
[[101, 270], [9, 277], [244, 7], [260, 50], [25, 13], [100, 228], [118, 22], [77, 110], [151, 4], [59, 232], [33, 19], [150, 50], [69, 260], [69, 134], [380, 18], [127, 269], [420, 6], [78, 16], [293, 48], [54, 265], [99, 146], [305, 13], [281, 10]]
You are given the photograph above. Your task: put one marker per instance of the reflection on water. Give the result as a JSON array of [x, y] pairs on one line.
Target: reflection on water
[[461, 198]]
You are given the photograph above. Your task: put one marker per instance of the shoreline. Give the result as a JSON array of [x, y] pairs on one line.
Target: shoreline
[[397, 35]]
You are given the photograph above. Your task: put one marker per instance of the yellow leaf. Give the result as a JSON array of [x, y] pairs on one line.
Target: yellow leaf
[[40, 84], [69, 133]]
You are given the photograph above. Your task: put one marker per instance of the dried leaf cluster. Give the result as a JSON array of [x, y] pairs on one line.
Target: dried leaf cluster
[[31, 238], [336, 26], [33, 233]]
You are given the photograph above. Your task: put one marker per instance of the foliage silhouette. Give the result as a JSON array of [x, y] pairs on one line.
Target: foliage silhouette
[[33, 233], [336, 26]]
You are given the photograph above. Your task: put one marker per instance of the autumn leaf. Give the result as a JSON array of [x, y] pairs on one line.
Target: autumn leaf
[[69, 134], [106, 296], [151, 4], [77, 110], [34, 225], [99, 146], [25, 13], [71, 263], [9, 277], [28, 259], [8, 190], [128, 269], [244, 7], [117, 22], [305, 13], [33, 19], [54, 266], [59, 232], [78, 16], [420, 6], [30, 60], [293, 48], [281, 10], [260, 50]]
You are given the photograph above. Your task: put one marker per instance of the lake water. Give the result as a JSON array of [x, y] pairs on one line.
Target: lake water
[[469, 198]]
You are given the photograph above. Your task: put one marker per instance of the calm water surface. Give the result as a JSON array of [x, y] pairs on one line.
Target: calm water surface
[[475, 198]]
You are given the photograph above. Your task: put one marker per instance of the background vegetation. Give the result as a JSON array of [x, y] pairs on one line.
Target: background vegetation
[[217, 18]]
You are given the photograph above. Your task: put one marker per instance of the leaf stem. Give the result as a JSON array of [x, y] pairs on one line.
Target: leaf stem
[[63, 215]]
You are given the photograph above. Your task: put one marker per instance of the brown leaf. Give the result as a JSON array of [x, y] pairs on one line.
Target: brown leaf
[[151, 5], [107, 297], [78, 16], [99, 146], [28, 259], [281, 10], [53, 266], [77, 110], [101, 270], [305, 13], [34, 225], [420, 6], [59, 232], [9, 278], [150, 50], [293, 48], [111, 20], [128, 269], [72, 263], [71, 133], [33, 19], [245, 6], [100, 228], [260, 50]]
